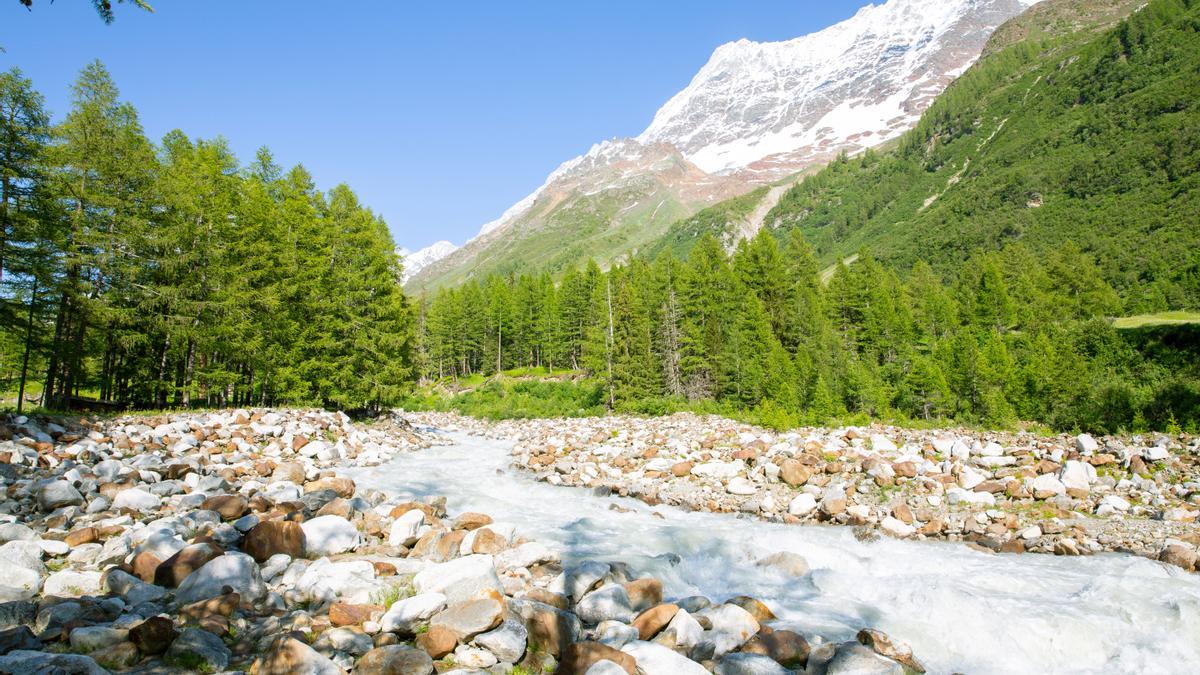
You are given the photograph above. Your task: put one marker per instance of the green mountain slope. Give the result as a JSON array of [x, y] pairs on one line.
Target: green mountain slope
[[1082, 139]]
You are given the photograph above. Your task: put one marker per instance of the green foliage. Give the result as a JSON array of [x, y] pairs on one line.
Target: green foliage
[[171, 275], [1078, 140]]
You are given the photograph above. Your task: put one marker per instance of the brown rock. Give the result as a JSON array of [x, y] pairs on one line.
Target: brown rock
[[384, 569], [903, 513], [230, 507], [550, 630], [582, 655], [222, 605], [448, 545], [886, 647], [438, 641], [746, 454], [289, 471], [85, 535], [681, 469], [274, 536], [794, 473], [784, 646], [548, 598], [471, 521], [186, 560], [144, 566], [347, 614], [153, 635], [299, 442], [1180, 556], [344, 487], [644, 593], [1012, 546], [905, 470], [394, 660], [487, 541], [117, 656], [755, 606], [431, 515], [285, 656], [650, 622]]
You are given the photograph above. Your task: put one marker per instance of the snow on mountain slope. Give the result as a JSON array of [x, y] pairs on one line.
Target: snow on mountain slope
[[416, 261], [850, 86]]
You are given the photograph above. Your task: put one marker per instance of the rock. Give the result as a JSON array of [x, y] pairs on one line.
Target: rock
[[794, 473], [289, 656], [1077, 475], [272, 537], [237, 571], [885, 646], [473, 658], [18, 637], [348, 640], [802, 504], [405, 529], [22, 662], [684, 631], [405, 615], [153, 635], [748, 664], [230, 507], [732, 626], [136, 500], [614, 634], [853, 658], [470, 618], [289, 472], [784, 646], [329, 535], [754, 606], [117, 656], [90, 638], [605, 667], [653, 659], [343, 487], [132, 590], [471, 521], [1047, 486], [507, 642], [644, 593], [394, 660], [198, 649], [1085, 444], [18, 532], [526, 555], [607, 603], [21, 572], [581, 656], [57, 494], [785, 562], [437, 641], [69, 583], [650, 622], [740, 486], [578, 580], [348, 614], [550, 630], [460, 579], [487, 541], [833, 501], [1179, 555], [897, 528], [186, 560]]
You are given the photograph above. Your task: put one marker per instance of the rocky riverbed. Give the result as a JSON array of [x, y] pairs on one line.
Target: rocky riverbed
[[1003, 492], [232, 541]]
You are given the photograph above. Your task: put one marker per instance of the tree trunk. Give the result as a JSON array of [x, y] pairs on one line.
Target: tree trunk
[[28, 349]]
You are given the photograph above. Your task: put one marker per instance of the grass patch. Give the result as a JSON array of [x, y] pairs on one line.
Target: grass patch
[[1157, 319], [388, 596]]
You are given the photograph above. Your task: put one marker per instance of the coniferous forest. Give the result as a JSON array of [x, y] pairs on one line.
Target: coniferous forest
[[168, 274]]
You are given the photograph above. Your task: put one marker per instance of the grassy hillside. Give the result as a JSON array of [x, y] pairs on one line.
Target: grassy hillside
[[1078, 139]]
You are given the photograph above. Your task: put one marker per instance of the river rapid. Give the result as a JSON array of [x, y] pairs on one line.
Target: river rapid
[[960, 609]]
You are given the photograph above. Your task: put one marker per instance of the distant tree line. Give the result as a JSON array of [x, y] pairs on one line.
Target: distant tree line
[[170, 275], [1016, 337]]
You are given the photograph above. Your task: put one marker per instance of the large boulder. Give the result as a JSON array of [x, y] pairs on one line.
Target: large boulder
[[461, 579], [329, 535], [748, 664], [22, 662], [607, 603], [853, 658], [507, 642], [404, 616], [394, 660], [172, 571], [470, 618], [238, 571], [273, 537], [136, 499], [57, 494]]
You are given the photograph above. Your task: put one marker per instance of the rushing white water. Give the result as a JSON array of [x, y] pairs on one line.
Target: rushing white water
[[960, 609]]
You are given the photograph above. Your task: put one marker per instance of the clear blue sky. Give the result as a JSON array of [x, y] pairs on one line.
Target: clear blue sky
[[439, 114]]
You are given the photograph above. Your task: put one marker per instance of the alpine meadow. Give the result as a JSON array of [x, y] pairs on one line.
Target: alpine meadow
[[858, 337]]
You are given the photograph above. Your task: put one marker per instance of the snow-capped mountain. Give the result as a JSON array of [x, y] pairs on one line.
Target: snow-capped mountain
[[416, 261], [755, 113], [776, 107]]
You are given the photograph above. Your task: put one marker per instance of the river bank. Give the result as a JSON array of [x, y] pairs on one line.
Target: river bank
[[1003, 492], [240, 541]]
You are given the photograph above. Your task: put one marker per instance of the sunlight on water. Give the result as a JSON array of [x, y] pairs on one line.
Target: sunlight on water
[[960, 609]]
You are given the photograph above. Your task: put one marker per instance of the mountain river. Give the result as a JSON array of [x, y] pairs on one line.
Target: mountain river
[[960, 609]]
